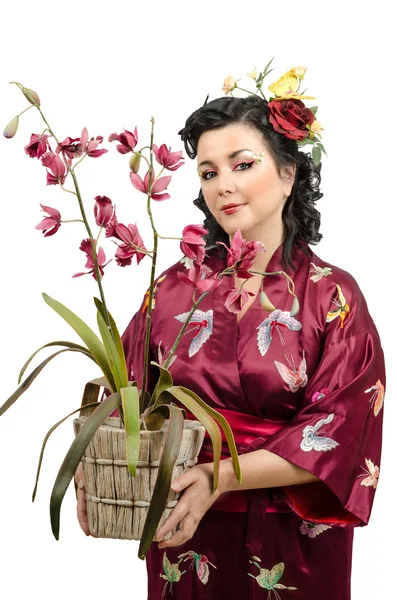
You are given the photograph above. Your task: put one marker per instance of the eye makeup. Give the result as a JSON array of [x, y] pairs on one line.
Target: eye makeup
[[242, 162]]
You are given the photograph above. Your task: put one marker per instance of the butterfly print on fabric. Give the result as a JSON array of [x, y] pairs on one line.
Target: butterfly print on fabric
[[377, 397], [172, 574], [373, 474], [201, 562], [276, 320], [202, 324], [342, 308], [313, 441], [319, 272], [295, 378], [312, 530], [268, 580]]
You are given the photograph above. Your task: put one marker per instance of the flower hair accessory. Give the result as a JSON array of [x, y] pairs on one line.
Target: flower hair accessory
[[287, 113]]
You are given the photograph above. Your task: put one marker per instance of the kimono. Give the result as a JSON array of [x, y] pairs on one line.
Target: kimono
[[308, 387]]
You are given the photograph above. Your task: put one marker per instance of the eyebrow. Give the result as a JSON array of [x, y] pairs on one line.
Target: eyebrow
[[232, 155]]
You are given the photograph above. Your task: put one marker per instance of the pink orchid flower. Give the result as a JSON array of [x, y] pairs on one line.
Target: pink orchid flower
[[85, 246], [192, 244], [130, 237], [103, 210], [92, 145], [157, 186], [236, 298], [57, 166], [71, 148], [200, 278], [50, 225], [241, 254], [168, 159], [128, 140], [37, 146], [75, 150]]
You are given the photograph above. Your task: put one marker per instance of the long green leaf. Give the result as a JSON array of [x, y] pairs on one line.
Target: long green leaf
[[29, 380], [209, 423], [62, 343], [119, 374], [74, 455], [130, 402], [172, 444], [223, 423], [45, 442], [92, 341], [116, 336]]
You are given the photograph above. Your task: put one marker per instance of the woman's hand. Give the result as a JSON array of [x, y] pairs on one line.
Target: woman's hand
[[81, 501], [192, 505]]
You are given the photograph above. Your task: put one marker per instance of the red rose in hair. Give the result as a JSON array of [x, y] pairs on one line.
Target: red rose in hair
[[290, 118]]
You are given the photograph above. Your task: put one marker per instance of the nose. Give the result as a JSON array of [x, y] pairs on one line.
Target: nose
[[225, 183]]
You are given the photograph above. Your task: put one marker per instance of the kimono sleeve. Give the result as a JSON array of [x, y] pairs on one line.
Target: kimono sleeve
[[337, 432], [133, 340]]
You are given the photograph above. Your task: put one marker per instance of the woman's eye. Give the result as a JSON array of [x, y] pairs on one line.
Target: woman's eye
[[246, 166]]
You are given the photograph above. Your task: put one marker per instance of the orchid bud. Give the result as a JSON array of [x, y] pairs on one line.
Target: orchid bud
[[295, 307], [265, 302], [31, 96], [135, 162], [11, 129]]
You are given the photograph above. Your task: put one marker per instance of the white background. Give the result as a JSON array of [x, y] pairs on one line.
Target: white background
[[114, 65]]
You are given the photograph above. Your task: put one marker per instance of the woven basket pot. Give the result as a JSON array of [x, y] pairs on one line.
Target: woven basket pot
[[117, 503]]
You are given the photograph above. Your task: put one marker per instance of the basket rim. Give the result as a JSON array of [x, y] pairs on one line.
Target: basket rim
[[188, 424]]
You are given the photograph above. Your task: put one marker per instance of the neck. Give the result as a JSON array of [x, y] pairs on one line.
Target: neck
[[271, 240]]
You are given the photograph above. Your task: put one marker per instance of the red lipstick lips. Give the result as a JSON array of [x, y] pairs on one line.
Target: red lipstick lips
[[229, 209]]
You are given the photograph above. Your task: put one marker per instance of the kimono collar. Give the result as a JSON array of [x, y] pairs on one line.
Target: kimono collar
[[217, 262]]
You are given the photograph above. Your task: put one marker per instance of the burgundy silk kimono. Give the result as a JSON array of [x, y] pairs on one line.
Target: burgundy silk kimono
[[309, 388]]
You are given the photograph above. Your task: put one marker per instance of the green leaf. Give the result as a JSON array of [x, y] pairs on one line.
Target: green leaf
[[62, 343], [316, 155], [92, 341], [116, 336], [265, 71], [130, 402], [164, 381], [319, 145], [314, 109], [29, 380], [223, 424], [172, 444], [91, 392], [45, 442], [74, 455], [209, 423], [119, 374]]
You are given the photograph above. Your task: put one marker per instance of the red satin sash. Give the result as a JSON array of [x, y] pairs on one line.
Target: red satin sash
[[246, 429]]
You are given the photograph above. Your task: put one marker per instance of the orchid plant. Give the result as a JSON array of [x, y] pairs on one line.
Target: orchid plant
[[138, 408]]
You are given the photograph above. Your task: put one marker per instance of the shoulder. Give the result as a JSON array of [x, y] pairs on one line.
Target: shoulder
[[340, 297]]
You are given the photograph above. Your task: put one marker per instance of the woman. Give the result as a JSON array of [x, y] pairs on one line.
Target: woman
[[301, 388]]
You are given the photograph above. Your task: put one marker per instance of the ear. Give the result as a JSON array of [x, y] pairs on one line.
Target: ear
[[289, 177]]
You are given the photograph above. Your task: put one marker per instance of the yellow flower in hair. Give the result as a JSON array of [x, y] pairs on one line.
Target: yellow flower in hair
[[287, 85], [253, 75], [229, 84]]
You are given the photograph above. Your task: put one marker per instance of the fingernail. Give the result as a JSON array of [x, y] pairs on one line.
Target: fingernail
[[80, 484], [176, 485]]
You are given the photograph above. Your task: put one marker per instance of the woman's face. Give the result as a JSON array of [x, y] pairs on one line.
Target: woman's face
[[230, 175]]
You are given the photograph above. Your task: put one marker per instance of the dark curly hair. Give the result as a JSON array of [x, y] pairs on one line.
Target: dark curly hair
[[300, 217]]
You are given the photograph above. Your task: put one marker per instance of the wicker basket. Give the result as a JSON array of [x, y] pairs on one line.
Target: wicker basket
[[117, 503]]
